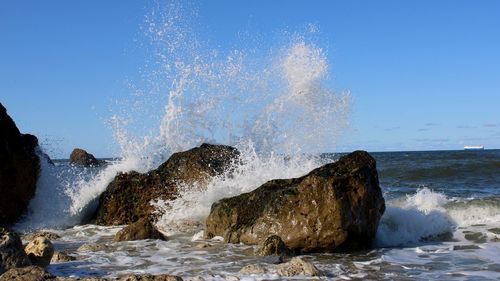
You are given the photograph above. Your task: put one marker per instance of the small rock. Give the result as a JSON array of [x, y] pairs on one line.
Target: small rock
[[297, 266], [232, 278], [60, 257], [495, 230], [202, 245], [92, 248], [40, 251], [476, 237], [140, 230], [83, 158], [11, 251], [150, 278], [253, 269], [49, 235], [273, 245], [465, 247]]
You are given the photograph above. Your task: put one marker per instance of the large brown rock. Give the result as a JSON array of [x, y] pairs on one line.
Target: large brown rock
[[127, 198], [336, 207], [139, 230], [12, 254], [83, 158], [19, 169]]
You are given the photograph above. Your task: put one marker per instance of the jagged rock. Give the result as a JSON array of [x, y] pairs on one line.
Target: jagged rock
[[92, 247], [11, 251], [19, 169], [295, 267], [273, 245], [336, 207], [127, 198], [59, 257], [40, 251], [83, 158], [139, 230], [49, 235]]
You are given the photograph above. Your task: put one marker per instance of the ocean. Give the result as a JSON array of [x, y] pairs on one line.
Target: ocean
[[442, 221], [275, 101]]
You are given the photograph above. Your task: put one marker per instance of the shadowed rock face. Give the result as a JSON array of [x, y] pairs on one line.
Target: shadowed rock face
[[83, 158], [127, 198], [19, 169], [336, 207], [12, 254]]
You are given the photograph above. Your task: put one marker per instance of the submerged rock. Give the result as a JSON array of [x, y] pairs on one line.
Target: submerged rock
[[295, 267], [40, 251], [336, 207], [49, 235], [12, 254], [19, 169], [60, 257], [92, 248], [83, 158], [139, 230], [127, 198]]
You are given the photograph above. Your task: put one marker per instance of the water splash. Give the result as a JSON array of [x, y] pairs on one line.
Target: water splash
[[275, 106]]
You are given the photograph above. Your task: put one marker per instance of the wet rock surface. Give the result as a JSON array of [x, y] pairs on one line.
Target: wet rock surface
[[60, 257], [19, 169], [295, 267], [127, 198], [139, 230], [12, 254], [49, 235], [83, 158], [273, 245], [40, 251], [336, 207]]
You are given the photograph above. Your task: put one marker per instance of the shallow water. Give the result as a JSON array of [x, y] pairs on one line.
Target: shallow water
[[450, 232]]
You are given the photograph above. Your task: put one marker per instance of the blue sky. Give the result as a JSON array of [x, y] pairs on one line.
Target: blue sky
[[423, 74]]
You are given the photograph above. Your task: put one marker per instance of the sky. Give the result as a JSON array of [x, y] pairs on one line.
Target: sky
[[424, 75]]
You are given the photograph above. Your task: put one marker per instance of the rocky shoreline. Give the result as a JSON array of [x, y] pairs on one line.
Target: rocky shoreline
[[334, 208]]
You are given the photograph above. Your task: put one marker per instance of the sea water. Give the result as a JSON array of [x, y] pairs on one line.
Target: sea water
[[442, 221], [276, 104]]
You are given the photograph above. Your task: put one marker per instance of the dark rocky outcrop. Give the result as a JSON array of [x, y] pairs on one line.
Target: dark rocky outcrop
[[12, 254], [83, 158], [139, 230], [127, 198], [19, 169], [336, 207]]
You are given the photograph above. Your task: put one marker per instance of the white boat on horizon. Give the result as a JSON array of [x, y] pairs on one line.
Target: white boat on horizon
[[474, 147]]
